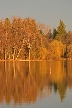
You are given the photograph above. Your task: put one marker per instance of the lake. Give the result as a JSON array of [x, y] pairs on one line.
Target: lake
[[36, 84]]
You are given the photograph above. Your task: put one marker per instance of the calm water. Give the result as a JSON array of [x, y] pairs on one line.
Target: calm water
[[36, 84]]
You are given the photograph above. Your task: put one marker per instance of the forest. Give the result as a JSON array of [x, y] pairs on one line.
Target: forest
[[26, 39]]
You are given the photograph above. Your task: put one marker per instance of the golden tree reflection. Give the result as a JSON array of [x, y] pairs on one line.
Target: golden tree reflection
[[28, 81]]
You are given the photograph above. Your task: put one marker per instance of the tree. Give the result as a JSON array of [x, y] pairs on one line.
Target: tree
[[17, 36], [7, 35], [57, 48], [1, 39], [61, 31], [54, 33], [68, 39], [69, 51]]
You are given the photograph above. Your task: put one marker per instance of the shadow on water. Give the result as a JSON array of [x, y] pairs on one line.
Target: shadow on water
[[26, 82]]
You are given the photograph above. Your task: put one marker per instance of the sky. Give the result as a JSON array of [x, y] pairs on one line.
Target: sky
[[48, 12]]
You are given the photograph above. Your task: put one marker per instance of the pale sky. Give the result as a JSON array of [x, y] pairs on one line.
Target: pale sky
[[48, 12]]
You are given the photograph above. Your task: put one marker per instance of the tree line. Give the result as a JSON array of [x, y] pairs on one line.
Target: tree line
[[27, 39]]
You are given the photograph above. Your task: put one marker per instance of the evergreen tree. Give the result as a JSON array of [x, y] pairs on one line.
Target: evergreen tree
[[61, 32], [54, 33]]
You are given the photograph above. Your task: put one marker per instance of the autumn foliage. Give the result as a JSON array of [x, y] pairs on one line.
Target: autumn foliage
[[28, 40]]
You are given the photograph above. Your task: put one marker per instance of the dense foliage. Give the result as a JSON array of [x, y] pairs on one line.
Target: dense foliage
[[27, 39]]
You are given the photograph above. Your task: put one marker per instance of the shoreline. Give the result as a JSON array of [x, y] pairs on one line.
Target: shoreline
[[39, 60]]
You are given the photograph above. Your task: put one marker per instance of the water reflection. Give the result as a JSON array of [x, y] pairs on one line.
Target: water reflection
[[29, 81]]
